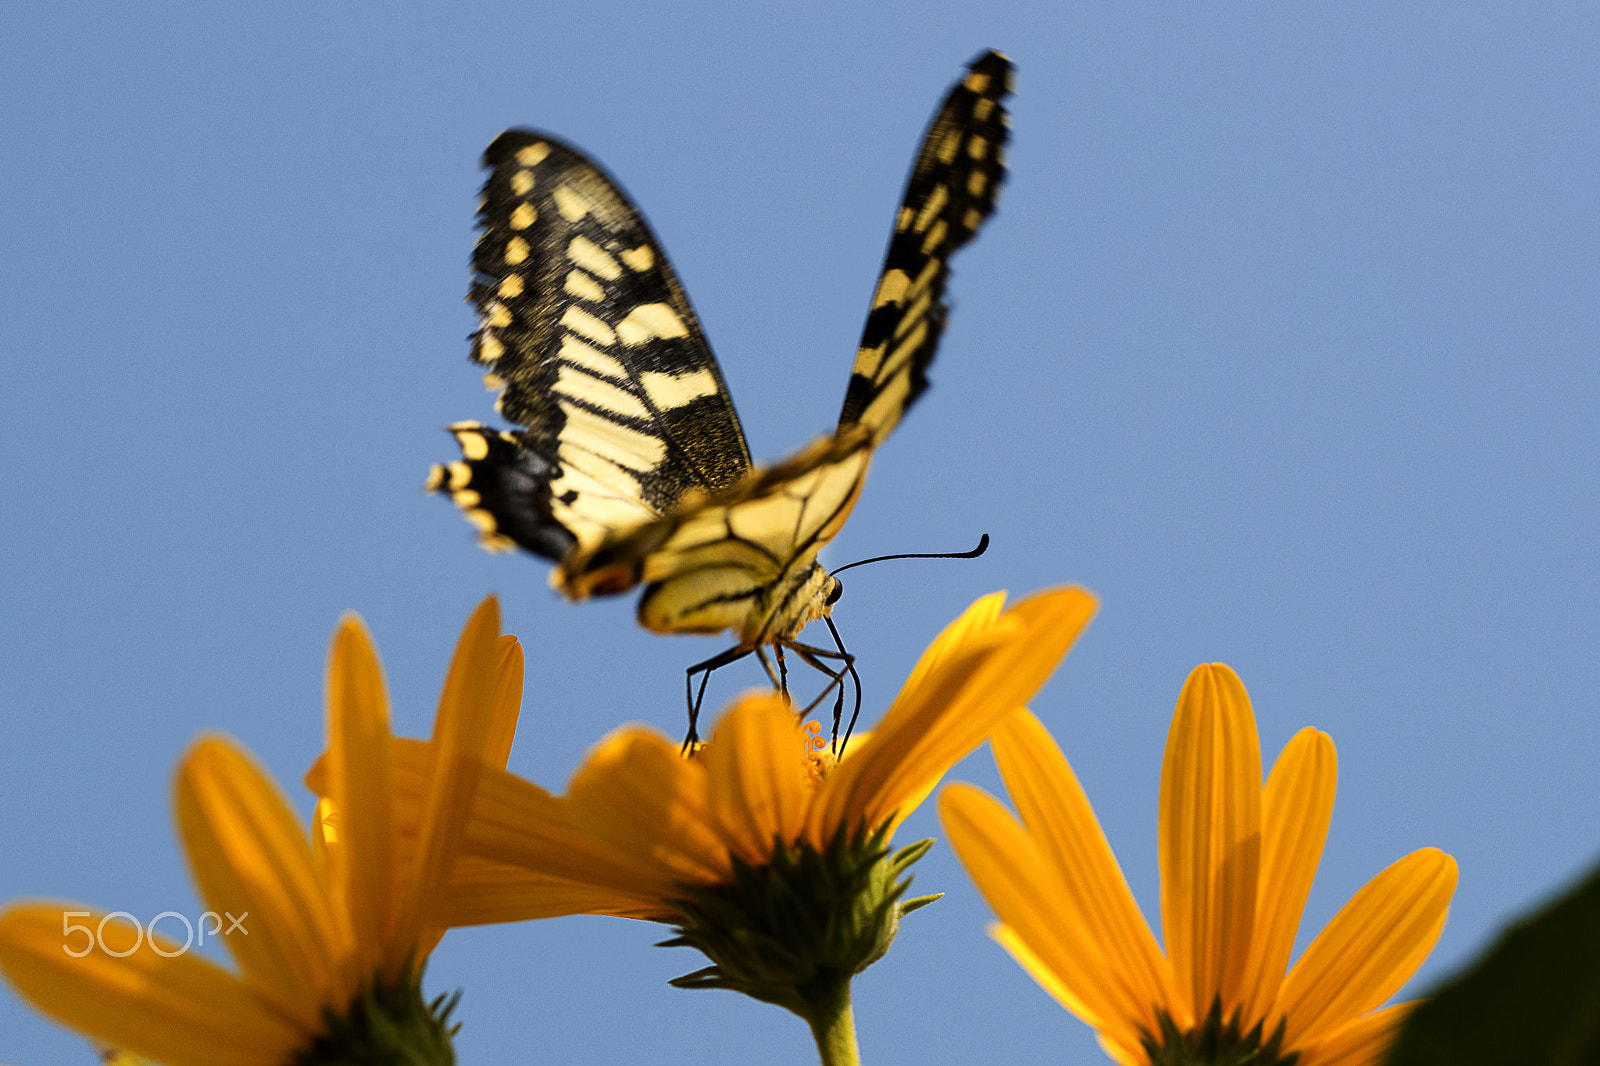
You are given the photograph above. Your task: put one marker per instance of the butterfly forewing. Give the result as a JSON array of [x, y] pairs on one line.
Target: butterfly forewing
[[599, 358], [952, 189]]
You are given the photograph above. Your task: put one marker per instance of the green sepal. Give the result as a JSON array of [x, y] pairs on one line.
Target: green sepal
[[386, 1025], [1212, 1043], [789, 931]]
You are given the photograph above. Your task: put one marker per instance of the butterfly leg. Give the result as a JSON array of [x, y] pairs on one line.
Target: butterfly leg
[[813, 656], [772, 675], [783, 671], [705, 669], [835, 679]]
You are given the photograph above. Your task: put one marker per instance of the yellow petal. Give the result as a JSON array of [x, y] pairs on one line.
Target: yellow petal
[[1120, 1054], [1057, 946], [1210, 836], [853, 794], [1035, 967], [364, 865], [180, 1010], [483, 892], [636, 794], [1362, 1042], [519, 824], [940, 673], [758, 781], [249, 855], [954, 639], [1370, 947], [1295, 812], [461, 731], [1120, 1042], [324, 832], [1064, 828], [516, 823], [507, 703], [956, 704]]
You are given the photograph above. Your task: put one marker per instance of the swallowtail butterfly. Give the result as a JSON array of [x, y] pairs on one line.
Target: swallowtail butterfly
[[626, 464]]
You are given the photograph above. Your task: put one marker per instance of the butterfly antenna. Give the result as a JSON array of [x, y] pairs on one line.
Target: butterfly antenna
[[983, 546]]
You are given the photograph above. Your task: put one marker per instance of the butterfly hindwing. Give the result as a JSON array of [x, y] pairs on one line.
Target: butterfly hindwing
[[601, 363], [951, 190], [745, 561]]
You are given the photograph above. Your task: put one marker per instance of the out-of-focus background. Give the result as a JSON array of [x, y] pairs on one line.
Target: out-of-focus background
[[1283, 342]]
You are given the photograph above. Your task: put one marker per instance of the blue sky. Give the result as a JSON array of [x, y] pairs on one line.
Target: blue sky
[[1283, 342]]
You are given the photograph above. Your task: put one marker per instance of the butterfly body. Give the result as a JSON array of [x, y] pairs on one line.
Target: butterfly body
[[627, 465]]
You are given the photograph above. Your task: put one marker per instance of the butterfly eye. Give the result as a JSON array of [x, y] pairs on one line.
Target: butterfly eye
[[838, 590]]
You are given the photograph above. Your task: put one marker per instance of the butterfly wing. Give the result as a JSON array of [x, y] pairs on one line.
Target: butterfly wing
[[952, 189], [601, 364]]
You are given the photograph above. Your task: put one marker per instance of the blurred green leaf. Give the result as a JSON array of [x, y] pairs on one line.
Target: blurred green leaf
[[1533, 999]]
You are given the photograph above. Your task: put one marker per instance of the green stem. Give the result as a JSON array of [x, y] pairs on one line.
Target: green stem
[[833, 1023]]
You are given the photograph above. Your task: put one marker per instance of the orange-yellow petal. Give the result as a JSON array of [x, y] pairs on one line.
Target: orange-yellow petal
[[483, 892], [1210, 835], [1295, 811], [758, 783], [1120, 1054], [875, 768], [984, 672], [181, 1010], [507, 703], [1121, 1042], [1362, 1042], [363, 872], [944, 668], [957, 638], [1370, 948], [516, 823], [248, 854], [636, 794], [1024, 892], [461, 733], [1061, 823]]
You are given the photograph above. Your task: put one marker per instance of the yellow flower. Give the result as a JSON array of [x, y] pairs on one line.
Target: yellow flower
[[640, 821], [327, 924], [769, 855], [1237, 861]]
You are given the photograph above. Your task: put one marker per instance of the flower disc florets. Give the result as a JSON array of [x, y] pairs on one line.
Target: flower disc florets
[[386, 1025], [788, 931]]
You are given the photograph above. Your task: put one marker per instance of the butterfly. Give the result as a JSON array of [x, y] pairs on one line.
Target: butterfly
[[627, 465]]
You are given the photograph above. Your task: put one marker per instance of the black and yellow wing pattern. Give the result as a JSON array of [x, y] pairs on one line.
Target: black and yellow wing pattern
[[598, 358], [627, 464], [953, 187]]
